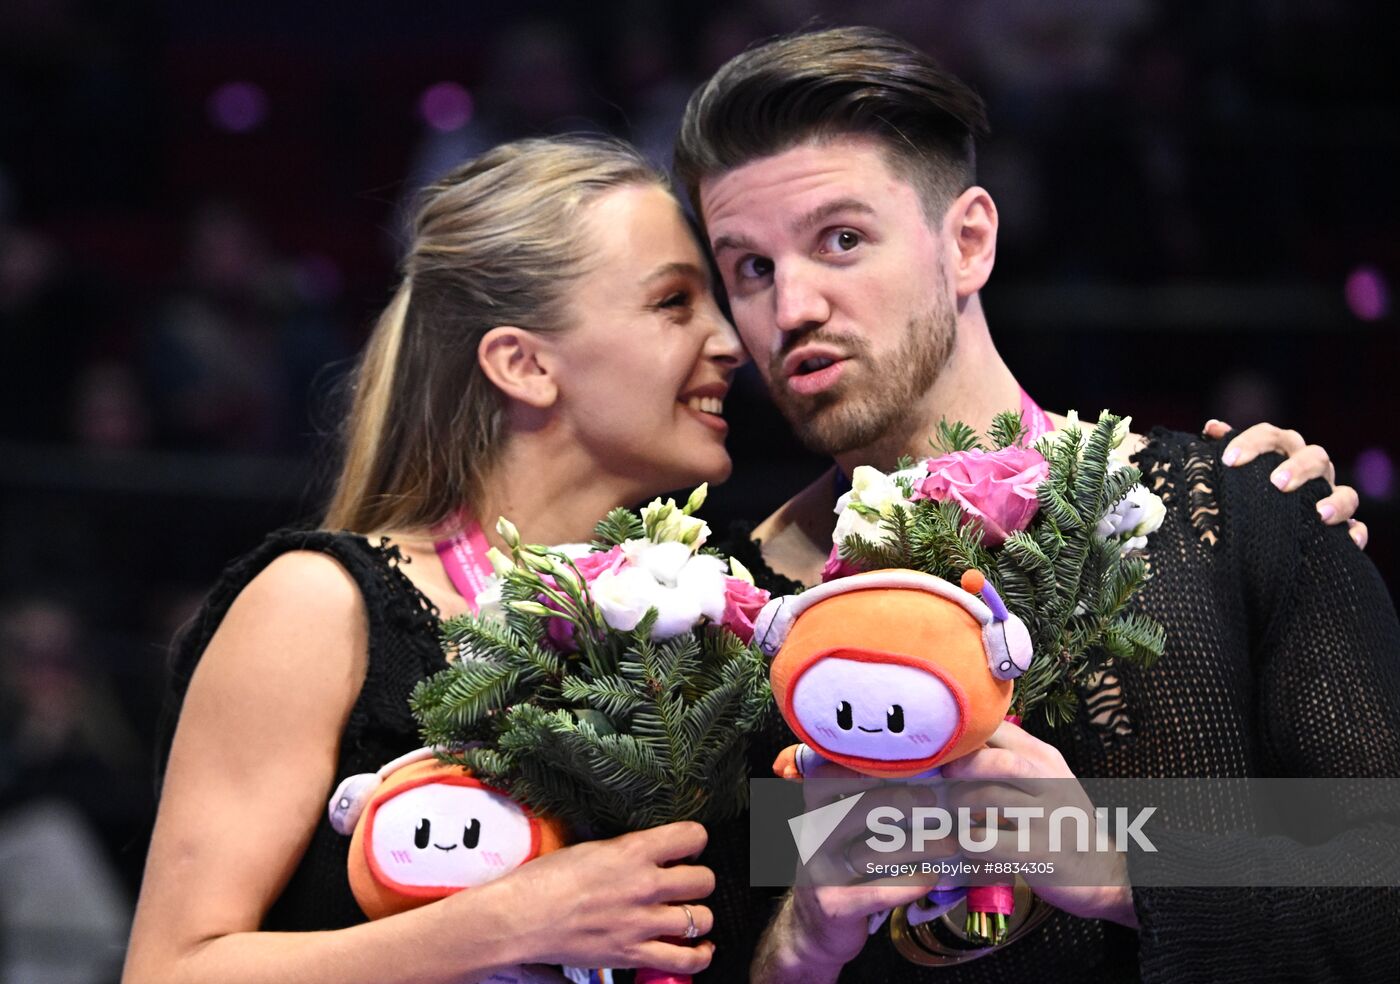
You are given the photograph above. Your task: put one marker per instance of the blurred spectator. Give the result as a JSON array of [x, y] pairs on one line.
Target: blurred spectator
[[233, 350], [70, 785]]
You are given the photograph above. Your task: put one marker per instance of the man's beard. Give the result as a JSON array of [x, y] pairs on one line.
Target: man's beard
[[858, 414]]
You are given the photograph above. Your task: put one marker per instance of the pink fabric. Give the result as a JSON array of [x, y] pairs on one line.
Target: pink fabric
[[742, 603], [1037, 421], [463, 556], [645, 975], [996, 488], [991, 898]]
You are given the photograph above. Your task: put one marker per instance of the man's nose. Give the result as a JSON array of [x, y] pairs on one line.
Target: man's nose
[[798, 299]]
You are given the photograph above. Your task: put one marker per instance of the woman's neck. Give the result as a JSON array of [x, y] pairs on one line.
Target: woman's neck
[[552, 494]]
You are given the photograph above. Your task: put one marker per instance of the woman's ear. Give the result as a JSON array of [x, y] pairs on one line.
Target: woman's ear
[[972, 223], [517, 363]]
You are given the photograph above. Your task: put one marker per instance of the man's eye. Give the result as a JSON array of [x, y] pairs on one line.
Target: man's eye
[[755, 267], [840, 241]]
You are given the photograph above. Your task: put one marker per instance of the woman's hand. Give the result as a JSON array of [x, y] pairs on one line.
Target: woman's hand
[[612, 903], [1303, 462]]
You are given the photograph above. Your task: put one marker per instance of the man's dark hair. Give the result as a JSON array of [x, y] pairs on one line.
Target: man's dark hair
[[850, 80]]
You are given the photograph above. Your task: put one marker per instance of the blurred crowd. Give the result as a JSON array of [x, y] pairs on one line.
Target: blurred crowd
[[200, 206]]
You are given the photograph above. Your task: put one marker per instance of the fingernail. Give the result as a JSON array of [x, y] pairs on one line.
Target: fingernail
[[1326, 511], [1280, 478], [1230, 456], [1359, 537]]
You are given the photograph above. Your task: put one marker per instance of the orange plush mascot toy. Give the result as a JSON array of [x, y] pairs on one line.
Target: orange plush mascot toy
[[891, 673], [421, 829]]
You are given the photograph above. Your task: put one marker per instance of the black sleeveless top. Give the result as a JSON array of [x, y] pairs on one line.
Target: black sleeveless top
[[403, 649]]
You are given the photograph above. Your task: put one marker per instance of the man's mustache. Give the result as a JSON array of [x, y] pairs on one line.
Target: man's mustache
[[846, 346]]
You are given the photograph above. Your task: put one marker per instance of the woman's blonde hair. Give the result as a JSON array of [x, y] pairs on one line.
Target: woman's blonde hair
[[497, 241]]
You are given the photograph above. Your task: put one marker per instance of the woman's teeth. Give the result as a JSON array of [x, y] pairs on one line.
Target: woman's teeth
[[706, 404]]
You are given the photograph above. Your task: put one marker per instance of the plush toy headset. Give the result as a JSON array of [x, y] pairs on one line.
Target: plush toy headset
[[891, 672], [421, 829]]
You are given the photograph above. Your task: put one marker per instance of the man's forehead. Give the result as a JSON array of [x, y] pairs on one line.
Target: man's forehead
[[802, 184]]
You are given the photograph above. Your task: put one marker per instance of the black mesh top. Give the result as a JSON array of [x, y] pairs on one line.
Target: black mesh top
[[1282, 660], [403, 649]]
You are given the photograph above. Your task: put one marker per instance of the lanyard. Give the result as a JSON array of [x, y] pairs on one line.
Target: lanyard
[[463, 556], [1037, 421]]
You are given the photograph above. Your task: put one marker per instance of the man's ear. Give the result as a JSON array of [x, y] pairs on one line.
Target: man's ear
[[517, 363], [972, 224]]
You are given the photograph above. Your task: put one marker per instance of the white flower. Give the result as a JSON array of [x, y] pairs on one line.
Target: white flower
[[1118, 453], [738, 570], [682, 586], [872, 494], [500, 563], [1133, 520], [489, 606], [623, 596], [665, 522]]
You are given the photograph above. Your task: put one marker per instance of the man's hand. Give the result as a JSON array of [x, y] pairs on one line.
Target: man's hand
[[824, 922], [989, 776], [1303, 463]]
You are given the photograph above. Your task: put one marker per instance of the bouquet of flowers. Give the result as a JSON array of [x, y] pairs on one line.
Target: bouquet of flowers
[[1045, 543], [1058, 530], [612, 686]]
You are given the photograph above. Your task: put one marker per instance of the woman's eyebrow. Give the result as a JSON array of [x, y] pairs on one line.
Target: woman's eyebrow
[[677, 268]]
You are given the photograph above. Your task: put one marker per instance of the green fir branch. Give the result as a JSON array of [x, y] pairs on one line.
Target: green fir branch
[[953, 436], [617, 527], [1008, 429]]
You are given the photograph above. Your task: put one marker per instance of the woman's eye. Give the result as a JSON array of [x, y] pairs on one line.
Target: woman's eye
[[679, 299], [755, 267], [840, 241]]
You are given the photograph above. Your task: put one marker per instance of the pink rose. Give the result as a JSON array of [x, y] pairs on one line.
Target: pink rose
[[837, 567], [995, 487], [590, 565], [742, 603]]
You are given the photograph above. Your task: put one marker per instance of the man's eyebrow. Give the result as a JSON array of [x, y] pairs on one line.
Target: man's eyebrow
[[677, 268], [742, 243], [824, 211]]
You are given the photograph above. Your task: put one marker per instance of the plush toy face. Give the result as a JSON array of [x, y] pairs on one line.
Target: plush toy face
[[888, 681], [883, 711], [432, 829], [445, 835]]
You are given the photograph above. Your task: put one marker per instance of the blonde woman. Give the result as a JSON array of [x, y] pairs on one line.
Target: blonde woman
[[553, 350]]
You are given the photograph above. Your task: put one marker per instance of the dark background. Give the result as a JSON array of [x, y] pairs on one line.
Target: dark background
[[200, 205]]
